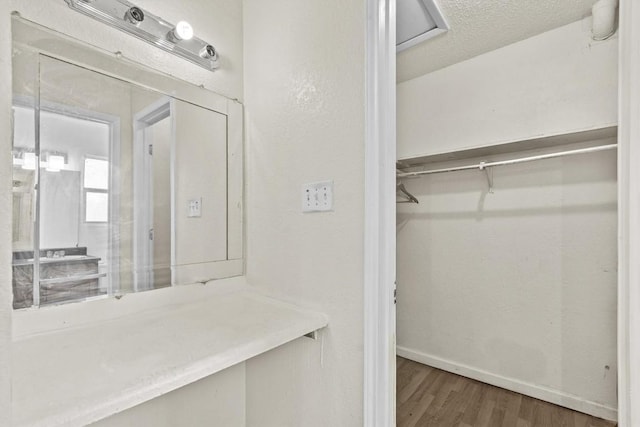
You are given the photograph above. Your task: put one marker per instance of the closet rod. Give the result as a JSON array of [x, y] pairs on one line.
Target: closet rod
[[483, 165]]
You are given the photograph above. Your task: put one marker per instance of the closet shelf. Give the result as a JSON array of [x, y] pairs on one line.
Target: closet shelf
[[81, 375], [505, 148]]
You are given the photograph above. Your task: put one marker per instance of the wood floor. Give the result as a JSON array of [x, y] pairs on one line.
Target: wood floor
[[430, 397]]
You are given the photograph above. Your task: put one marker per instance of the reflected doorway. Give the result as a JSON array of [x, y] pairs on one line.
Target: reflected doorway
[[76, 177], [153, 249]]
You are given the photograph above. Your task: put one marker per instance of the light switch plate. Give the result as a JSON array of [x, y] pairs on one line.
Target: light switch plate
[[195, 208], [317, 196]]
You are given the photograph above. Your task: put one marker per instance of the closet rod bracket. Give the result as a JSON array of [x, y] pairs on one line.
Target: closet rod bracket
[[488, 172]]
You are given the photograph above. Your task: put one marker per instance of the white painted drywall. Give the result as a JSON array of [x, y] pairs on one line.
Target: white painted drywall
[[215, 401], [555, 82], [304, 98], [521, 283], [218, 21]]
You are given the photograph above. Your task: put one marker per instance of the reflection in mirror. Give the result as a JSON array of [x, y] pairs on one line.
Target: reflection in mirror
[[71, 217], [106, 174], [84, 172], [152, 201]]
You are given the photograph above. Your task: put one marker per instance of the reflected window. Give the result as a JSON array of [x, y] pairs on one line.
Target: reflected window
[[96, 174], [96, 207], [96, 187]]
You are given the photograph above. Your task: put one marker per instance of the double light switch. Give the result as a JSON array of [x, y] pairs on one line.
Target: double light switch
[[317, 197]]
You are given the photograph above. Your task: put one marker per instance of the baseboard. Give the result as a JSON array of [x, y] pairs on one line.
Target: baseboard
[[539, 392]]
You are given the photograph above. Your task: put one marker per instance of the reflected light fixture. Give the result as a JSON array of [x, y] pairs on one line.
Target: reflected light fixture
[[29, 161], [178, 39], [55, 163]]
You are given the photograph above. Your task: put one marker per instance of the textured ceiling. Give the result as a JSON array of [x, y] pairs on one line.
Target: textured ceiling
[[479, 26]]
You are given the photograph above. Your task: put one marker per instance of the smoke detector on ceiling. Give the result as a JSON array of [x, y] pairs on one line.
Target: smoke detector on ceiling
[[417, 21]]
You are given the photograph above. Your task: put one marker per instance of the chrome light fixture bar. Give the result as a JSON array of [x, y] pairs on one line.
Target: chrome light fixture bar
[[177, 39]]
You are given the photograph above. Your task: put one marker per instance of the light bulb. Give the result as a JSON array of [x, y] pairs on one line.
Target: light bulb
[[29, 161], [183, 31]]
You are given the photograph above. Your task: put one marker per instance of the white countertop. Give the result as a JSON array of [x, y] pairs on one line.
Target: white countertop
[[80, 375]]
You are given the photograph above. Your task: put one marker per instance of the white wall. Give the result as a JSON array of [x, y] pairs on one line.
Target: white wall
[[214, 401], [555, 82], [218, 21], [516, 288], [304, 72]]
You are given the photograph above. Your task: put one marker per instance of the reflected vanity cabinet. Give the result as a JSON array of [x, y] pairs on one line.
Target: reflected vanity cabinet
[[69, 277]]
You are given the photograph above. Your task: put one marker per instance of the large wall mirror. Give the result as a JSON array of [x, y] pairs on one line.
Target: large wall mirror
[[124, 180]]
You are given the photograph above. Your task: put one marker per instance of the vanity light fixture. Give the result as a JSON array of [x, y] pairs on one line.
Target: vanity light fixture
[[134, 16], [178, 39]]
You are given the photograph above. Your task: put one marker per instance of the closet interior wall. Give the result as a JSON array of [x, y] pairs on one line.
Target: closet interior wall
[[516, 288]]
